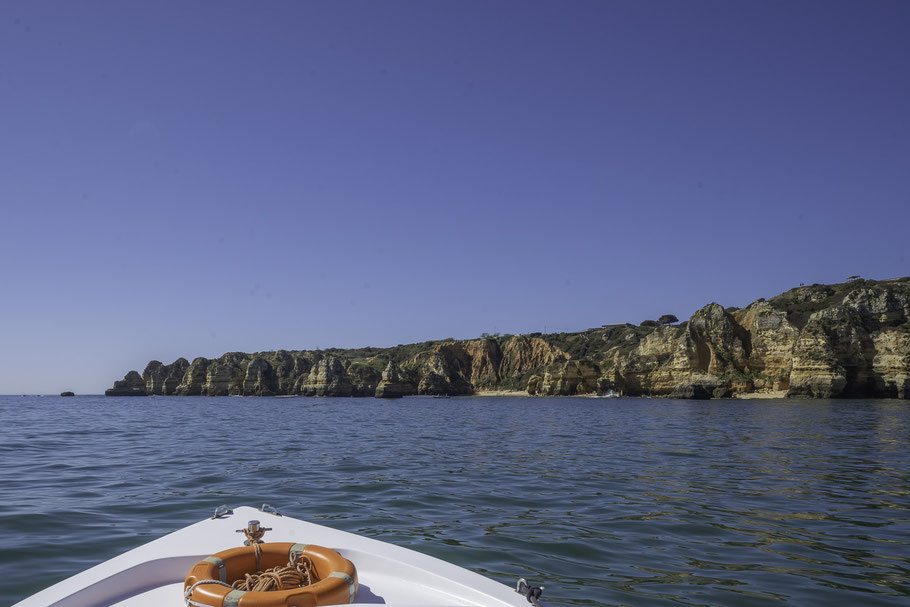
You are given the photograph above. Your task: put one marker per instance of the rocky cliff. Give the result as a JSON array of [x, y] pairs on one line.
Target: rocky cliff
[[819, 341], [131, 385]]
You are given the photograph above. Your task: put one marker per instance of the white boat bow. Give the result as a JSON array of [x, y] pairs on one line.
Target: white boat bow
[[152, 575]]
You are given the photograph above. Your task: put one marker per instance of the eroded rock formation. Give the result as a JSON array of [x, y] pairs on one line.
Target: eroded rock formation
[[568, 378], [164, 379], [194, 378], [328, 377], [260, 378], [818, 341], [444, 371], [131, 385], [365, 378], [395, 383]]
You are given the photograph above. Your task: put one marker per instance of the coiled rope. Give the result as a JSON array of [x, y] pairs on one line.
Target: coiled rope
[[297, 573]]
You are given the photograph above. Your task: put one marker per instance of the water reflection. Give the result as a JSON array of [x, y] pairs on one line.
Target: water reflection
[[607, 503]]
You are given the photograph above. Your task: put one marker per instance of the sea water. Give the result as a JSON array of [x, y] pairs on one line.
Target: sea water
[[603, 501]]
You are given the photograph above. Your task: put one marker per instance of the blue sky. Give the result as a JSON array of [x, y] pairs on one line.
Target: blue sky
[[186, 179]]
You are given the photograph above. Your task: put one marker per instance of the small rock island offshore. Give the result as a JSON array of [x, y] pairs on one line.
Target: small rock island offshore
[[820, 341]]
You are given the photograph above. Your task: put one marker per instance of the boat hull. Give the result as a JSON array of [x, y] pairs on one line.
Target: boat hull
[[152, 575]]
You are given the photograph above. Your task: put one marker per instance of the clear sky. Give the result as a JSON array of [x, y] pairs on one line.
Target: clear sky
[[191, 178]]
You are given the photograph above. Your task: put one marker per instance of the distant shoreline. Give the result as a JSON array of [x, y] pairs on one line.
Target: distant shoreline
[[848, 340], [759, 396]]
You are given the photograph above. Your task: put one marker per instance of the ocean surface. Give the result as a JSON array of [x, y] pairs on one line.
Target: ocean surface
[[603, 501]]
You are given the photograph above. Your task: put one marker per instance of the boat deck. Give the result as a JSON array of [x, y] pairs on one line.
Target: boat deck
[[152, 575]]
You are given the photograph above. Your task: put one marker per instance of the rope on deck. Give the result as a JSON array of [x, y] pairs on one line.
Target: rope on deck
[[297, 573]]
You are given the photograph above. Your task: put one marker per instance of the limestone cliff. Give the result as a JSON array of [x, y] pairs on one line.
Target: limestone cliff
[[566, 378], [260, 378], [819, 341], [524, 356], [328, 377], [771, 341], [225, 375], [193, 379], [856, 345], [365, 378], [164, 379], [486, 360], [444, 371], [131, 385], [395, 383]]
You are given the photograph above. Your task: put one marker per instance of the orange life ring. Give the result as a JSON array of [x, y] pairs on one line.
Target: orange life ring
[[337, 576]]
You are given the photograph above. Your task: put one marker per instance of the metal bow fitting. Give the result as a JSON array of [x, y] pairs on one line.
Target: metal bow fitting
[[253, 533], [222, 510], [532, 593]]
